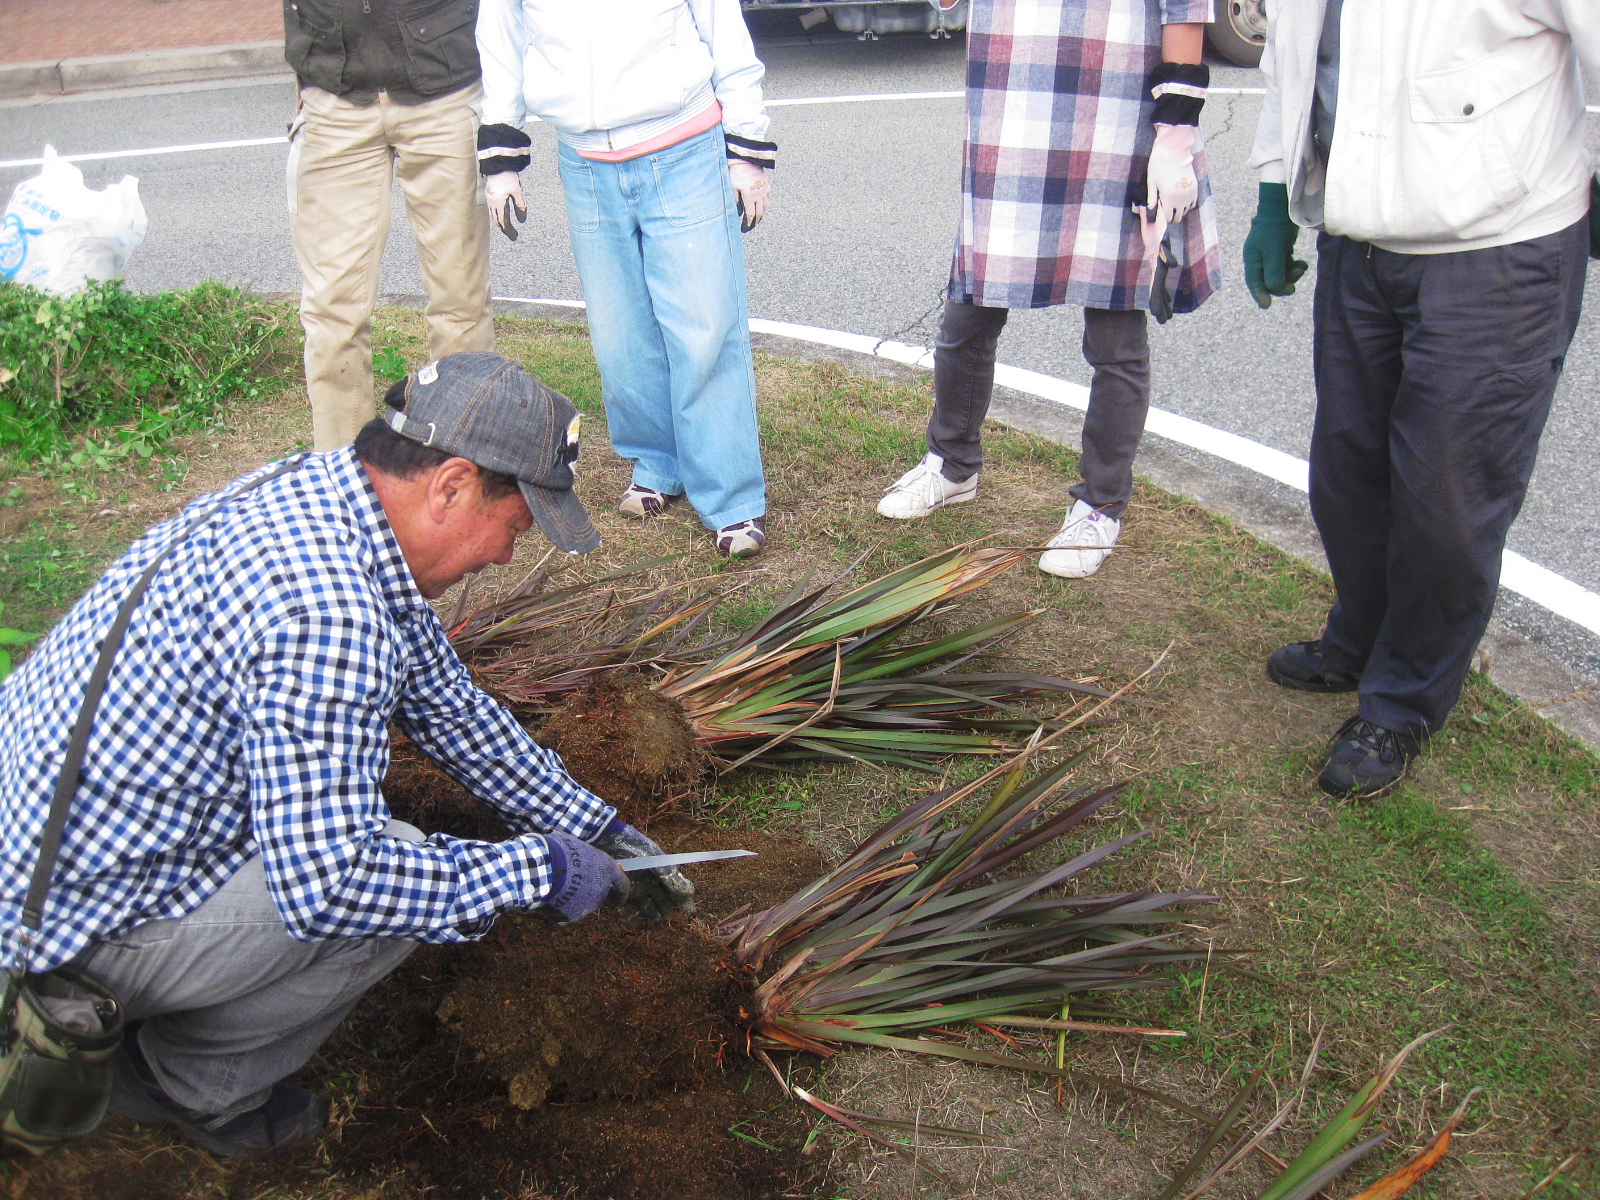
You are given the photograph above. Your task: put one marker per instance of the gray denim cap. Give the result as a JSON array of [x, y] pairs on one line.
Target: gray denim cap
[[487, 409]]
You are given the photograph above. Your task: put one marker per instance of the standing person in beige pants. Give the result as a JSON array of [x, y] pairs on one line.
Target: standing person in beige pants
[[387, 88]]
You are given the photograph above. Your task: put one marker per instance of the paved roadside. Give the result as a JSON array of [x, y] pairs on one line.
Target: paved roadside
[[56, 47]]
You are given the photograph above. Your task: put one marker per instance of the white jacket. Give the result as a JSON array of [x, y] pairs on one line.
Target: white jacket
[[1459, 123], [609, 74]]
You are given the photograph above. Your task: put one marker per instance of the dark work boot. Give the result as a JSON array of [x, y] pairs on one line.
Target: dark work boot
[[1366, 760], [1299, 666], [291, 1114]]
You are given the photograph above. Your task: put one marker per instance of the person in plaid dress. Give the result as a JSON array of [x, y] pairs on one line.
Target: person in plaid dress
[[1084, 182]]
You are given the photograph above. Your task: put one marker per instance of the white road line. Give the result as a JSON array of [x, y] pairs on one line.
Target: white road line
[[278, 141], [1543, 586], [189, 149], [861, 99]]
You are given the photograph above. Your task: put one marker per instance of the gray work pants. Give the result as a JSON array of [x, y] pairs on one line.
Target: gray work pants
[[1114, 344], [230, 1002]]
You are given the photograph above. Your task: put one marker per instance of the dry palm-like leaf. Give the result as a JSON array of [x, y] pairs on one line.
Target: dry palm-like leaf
[[821, 678], [913, 932], [1326, 1158], [1401, 1180], [533, 646]]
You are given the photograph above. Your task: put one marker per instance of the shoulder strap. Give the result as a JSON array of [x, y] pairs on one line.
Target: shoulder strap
[[72, 765]]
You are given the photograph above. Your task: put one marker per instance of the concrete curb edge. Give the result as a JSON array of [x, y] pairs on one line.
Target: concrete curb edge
[[147, 67]]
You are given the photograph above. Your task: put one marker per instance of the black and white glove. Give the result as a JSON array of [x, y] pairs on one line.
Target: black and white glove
[[502, 155], [655, 893]]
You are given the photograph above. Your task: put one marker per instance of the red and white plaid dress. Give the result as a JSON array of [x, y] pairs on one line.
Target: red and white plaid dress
[[1058, 134]]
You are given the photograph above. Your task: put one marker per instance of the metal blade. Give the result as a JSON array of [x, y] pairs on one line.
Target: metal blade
[[680, 860]]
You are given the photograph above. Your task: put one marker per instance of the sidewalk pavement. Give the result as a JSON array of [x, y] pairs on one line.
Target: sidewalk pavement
[[59, 46]]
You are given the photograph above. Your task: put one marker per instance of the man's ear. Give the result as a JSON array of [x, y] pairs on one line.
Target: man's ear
[[452, 487]]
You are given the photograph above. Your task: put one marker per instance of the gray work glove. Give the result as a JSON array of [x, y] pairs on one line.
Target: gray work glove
[[656, 893], [585, 878]]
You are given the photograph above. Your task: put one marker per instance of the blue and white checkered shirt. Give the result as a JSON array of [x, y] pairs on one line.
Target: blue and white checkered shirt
[[247, 713]]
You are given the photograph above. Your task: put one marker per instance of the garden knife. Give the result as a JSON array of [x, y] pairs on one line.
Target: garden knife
[[680, 860]]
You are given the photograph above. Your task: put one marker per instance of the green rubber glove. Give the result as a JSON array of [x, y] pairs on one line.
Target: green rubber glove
[[1270, 267]]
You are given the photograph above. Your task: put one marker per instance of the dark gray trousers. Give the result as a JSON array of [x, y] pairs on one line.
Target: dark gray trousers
[[1434, 377], [1115, 345]]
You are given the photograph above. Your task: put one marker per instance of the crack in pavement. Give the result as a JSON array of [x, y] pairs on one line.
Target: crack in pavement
[[1227, 121], [918, 325]]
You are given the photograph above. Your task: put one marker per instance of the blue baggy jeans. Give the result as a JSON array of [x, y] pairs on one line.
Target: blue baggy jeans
[[657, 243]]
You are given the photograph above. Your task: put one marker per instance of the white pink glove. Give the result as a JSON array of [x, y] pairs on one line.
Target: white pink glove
[[503, 193], [1171, 187], [752, 185]]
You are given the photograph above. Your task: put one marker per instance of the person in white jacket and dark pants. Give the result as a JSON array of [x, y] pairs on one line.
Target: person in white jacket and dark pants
[[665, 161], [1438, 147]]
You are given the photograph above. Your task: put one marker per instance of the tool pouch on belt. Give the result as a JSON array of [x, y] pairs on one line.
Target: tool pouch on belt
[[60, 1031]]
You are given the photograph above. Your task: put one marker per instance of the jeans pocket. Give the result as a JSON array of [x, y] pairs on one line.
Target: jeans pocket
[[583, 204], [692, 184], [150, 933]]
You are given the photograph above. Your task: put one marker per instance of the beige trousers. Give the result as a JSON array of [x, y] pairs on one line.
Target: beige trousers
[[343, 161]]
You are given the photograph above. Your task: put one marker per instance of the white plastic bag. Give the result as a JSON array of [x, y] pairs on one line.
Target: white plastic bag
[[58, 234]]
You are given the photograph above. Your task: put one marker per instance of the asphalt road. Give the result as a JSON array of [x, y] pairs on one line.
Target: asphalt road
[[859, 240]]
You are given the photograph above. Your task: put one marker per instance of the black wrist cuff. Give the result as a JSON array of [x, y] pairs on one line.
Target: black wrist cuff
[[502, 148], [1179, 90], [758, 153]]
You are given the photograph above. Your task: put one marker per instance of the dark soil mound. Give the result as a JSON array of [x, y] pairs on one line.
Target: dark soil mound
[[420, 1115], [598, 1011], [429, 1106], [628, 744]]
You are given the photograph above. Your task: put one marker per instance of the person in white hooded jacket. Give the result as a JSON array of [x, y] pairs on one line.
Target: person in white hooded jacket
[[1438, 147], [664, 161]]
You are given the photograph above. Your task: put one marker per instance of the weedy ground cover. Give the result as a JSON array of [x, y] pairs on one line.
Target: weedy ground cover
[[1470, 898], [107, 374]]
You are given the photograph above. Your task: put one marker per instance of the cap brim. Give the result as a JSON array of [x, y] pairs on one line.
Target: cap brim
[[562, 518]]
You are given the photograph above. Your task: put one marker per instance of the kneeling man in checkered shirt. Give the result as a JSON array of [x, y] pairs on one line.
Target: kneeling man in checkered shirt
[[229, 868]]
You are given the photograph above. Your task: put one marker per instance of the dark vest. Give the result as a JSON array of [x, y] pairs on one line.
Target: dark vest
[[332, 43]]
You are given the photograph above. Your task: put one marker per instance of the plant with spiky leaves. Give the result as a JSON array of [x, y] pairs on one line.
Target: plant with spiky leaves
[[532, 647], [834, 679], [818, 678], [912, 931]]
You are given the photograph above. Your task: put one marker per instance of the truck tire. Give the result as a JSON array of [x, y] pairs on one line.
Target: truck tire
[[1239, 33]]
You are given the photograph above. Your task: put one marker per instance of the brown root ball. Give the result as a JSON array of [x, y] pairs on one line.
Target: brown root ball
[[598, 1011], [629, 745]]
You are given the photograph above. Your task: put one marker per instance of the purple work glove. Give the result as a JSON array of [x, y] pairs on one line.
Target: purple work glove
[[584, 879]]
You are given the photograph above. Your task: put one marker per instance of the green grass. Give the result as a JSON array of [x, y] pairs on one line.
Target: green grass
[[110, 376]]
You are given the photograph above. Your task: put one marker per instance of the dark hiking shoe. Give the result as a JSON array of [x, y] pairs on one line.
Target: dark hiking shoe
[[1366, 760], [1299, 666], [291, 1114]]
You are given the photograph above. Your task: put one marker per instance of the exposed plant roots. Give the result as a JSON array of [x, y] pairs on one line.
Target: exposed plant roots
[[628, 744]]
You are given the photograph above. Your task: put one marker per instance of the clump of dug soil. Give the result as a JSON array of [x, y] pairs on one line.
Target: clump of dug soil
[[599, 1011], [628, 744]]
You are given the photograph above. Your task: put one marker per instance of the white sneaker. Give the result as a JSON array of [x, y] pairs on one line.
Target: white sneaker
[[922, 489], [640, 501], [1085, 542]]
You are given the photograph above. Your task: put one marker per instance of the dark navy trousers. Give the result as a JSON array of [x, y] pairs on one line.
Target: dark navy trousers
[[1434, 377]]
